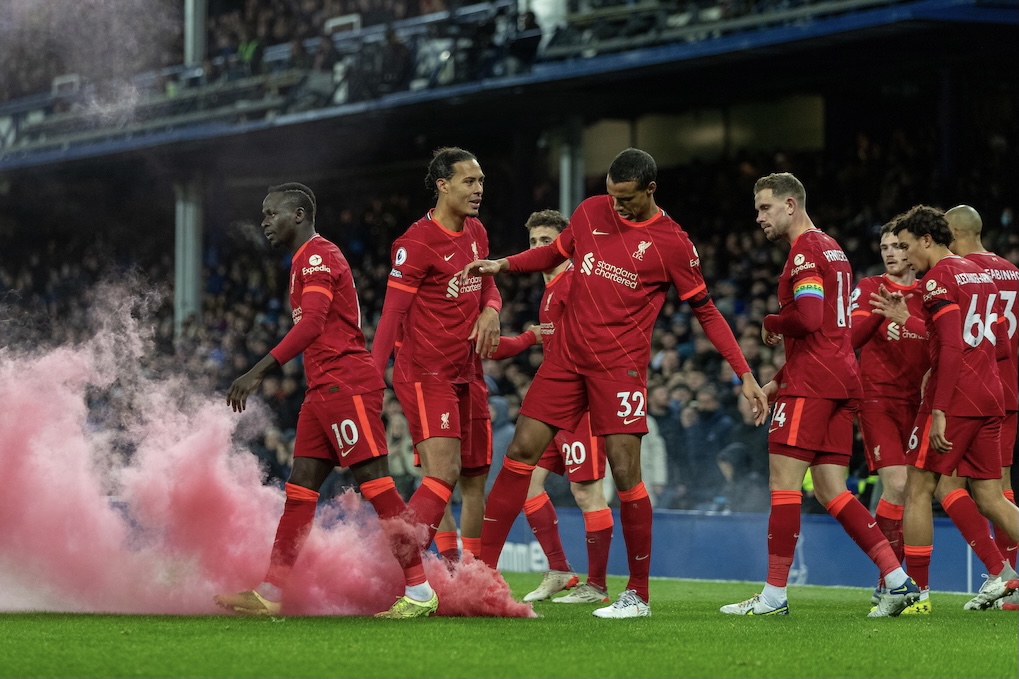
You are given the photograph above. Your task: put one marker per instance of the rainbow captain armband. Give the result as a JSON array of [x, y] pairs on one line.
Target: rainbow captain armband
[[809, 287]]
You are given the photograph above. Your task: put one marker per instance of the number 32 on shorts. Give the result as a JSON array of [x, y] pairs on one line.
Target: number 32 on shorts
[[631, 406]]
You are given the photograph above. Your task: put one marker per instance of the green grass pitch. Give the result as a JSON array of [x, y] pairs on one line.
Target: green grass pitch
[[827, 634]]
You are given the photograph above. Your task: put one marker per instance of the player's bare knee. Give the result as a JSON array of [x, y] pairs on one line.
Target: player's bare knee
[[521, 451], [987, 498], [309, 472], [369, 470], [626, 477], [446, 470], [589, 496], [472, 487]]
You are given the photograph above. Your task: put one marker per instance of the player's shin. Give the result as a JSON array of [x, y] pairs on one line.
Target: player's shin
[[293, 529], [388, 504], [635, 514], [505, 501]]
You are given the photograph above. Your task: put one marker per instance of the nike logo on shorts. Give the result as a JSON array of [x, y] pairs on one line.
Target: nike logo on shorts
[[630, 420]]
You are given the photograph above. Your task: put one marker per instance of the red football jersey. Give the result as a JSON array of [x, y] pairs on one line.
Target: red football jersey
[[822, 364], [427, 261], [1006, 277], [894, 359], [623, 271], [336, 362], [959, 283], [553, 306]]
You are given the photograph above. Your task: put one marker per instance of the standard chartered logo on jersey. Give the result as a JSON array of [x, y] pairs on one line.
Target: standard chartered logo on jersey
[[454, 289], [616, 274]]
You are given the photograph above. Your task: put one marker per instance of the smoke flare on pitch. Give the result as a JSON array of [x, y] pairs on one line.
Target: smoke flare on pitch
[[154, 507]]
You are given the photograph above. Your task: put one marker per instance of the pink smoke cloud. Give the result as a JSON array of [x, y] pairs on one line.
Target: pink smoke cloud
[[184, 515]]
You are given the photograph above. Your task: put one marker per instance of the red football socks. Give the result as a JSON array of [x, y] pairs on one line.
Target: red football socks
[[293, 529], [783, 531], [544, 522], [889, 521], [388, 504], [635, 514], [428, 503], [598, 526], [975, 529], [504, 503], [862, 527]]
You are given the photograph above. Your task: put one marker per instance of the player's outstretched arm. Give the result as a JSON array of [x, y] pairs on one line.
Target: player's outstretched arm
[[484, 267]]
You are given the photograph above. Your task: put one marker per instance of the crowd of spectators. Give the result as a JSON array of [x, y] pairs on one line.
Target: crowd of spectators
[[714, 459], [41, 42]]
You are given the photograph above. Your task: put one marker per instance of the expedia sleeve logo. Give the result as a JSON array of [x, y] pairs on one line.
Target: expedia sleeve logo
[[315, 264], [933, 290], [800, 263]]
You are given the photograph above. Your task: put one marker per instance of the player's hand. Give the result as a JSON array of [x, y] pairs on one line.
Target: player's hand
[[536, 329], [758, 399], [771, 391], [891, 305], [485, 332], [237, 394], [771, 339], [937, 433], [484, 267]]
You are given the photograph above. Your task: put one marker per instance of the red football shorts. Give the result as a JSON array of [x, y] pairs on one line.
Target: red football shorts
[[476, 448], [976, 447], [885, 425], [346, 429], [815, 430], [559, 397], [579, 455], [435, 409], [1008, 436], [434, 404]]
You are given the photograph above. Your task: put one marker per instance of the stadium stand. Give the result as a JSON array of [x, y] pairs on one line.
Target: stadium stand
[[243, 313], [251, 72], [56, 248]]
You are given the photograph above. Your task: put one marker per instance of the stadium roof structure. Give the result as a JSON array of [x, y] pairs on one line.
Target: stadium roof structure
[[824, 44]]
